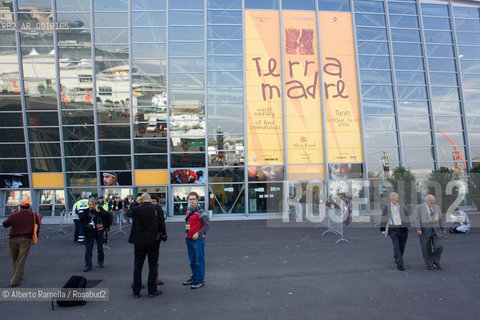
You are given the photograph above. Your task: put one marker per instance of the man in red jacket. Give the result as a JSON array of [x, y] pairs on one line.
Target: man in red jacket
[[197, 223], [20, 239]]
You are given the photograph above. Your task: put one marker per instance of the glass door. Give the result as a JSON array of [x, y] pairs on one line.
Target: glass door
[[180, 198]]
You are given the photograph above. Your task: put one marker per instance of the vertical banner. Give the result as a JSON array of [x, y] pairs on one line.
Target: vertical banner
[[344, 142], [263, 88], [302, 93]]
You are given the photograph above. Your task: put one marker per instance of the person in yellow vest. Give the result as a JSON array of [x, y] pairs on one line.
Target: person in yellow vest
[[77, 210]]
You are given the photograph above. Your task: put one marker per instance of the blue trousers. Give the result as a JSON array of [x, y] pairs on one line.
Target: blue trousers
[[196, 255]]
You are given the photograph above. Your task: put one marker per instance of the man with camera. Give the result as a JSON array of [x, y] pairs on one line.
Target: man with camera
[[148, 229], [92, 227]]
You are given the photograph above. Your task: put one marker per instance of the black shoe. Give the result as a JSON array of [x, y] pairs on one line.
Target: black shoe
[[188, 282], [100, 265], [136, 296], [401, 268], [87, 269], [197, 286], [154, 294]]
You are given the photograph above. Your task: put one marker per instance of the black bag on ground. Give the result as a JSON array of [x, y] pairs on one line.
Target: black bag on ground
[[75, 282]]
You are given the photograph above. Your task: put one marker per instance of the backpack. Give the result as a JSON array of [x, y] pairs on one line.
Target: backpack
[[75, 282]]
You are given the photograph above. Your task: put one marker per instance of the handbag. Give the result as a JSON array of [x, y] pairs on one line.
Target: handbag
[[35, 229]]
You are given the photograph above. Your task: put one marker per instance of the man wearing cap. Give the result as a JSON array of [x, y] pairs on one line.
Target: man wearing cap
[[20, 238], [110, 179]]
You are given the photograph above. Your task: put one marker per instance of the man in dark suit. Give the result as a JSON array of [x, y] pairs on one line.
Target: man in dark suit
[[148, 228], [430, 225], [395, 223]]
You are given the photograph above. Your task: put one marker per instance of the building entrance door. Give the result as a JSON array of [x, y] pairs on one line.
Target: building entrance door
[[180, 198]]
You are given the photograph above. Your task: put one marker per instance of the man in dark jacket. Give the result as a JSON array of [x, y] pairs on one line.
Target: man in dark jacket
[[92, 224], [148, 228], [20, 239]]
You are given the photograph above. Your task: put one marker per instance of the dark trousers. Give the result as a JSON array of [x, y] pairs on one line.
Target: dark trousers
[[90, 237], [76, 230], [141, 252], [399, 238]]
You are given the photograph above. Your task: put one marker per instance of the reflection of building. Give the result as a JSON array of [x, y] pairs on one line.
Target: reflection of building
[[131, 91]]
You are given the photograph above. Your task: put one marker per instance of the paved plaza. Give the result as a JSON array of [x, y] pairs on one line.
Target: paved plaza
[[258, 272]]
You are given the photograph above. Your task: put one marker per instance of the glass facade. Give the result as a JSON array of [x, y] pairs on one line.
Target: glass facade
[[156, 94]]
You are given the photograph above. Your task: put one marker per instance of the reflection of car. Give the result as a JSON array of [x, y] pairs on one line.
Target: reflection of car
[[152, 125]]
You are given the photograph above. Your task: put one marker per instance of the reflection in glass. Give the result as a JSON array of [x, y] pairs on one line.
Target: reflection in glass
[[43, 134], [418, 153], [115, 163], [187, 65], [376, 139], [78, 133], [186, 33], [110, 19], [150, 146], [367, 6], [38, 71], [224, 17], [81, 179], [195, 160], [12, 150], [42, 118], [186, 18], [13, 166], [263, 197], [114, 147], [111, 35], [71, 117], [379, 123], [412, 107], [114, 132], [416, 138], [11, 135], [405, 35], [151, 162], [79, 149], [187, 143], [80, 164], [46, 165], [414, 123], [10, 103], [44, 149], [377, 107], [119, 114], [13, 120], [227, 198], [144, 34], [411, 78], [236, 174], [372, 47], [149, 51]]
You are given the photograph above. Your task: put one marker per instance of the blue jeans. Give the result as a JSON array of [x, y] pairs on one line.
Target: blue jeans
[[196, 255]]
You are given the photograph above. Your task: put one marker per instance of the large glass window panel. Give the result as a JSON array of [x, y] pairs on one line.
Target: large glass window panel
[[185, 4], [81, 179], [187, 65], [445, 153], [224, 32], [468, 38], [420, 154], [435, 9], [225, 95], [148, 5], [11, 135], [8, 71], [36, 6], [181, 80], [473, 123], [377, 107], [409, 77], [114, 115], [446, 138], [402, 8], [224, 4], [45, 150], [149, 19], [111, 35], [226, 174], [441, 65], [405, 35], [377, 92], [110, 55], [39, 71], [470, 52], [471, 108], [41, 102], [382, 123], [471, 94], [368, 33], [471, 25], [298, 4], [420, 169], [150, 146], [149, 51], [10, 103], [376, 154], [115, 163], [80, 164], [407, 49], [186, 97], [151, 162], [448, 123], [408, 63], [404, 21], [224, 17], [375, 76], [261, 4], [440, 51], [114, 132], [471, 80], [432, 36], [110, 19], [157, 68], [443, 79], [225, 158], [46, 165], [466, 12], [187, 141], [414, 123], [153, 34], [77, 117], [416, 138], [445, 94], [368, 6], [12, 150], [39, 44], [436, 23], [224, 47], [410, 92], [43, 118], [376, 139], [13, 166], [79, 149], [370, 47], [186, 33], [43, 134], [227, 198], [11, 120], [373, 20], [114, 147], [186, 18], [219, 108], [374, 62], [78, 133], [474, 139], [186, 49], [446, 108], [263, 197], [40, 87], [106, 5], [224, 78], [181, 160]]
